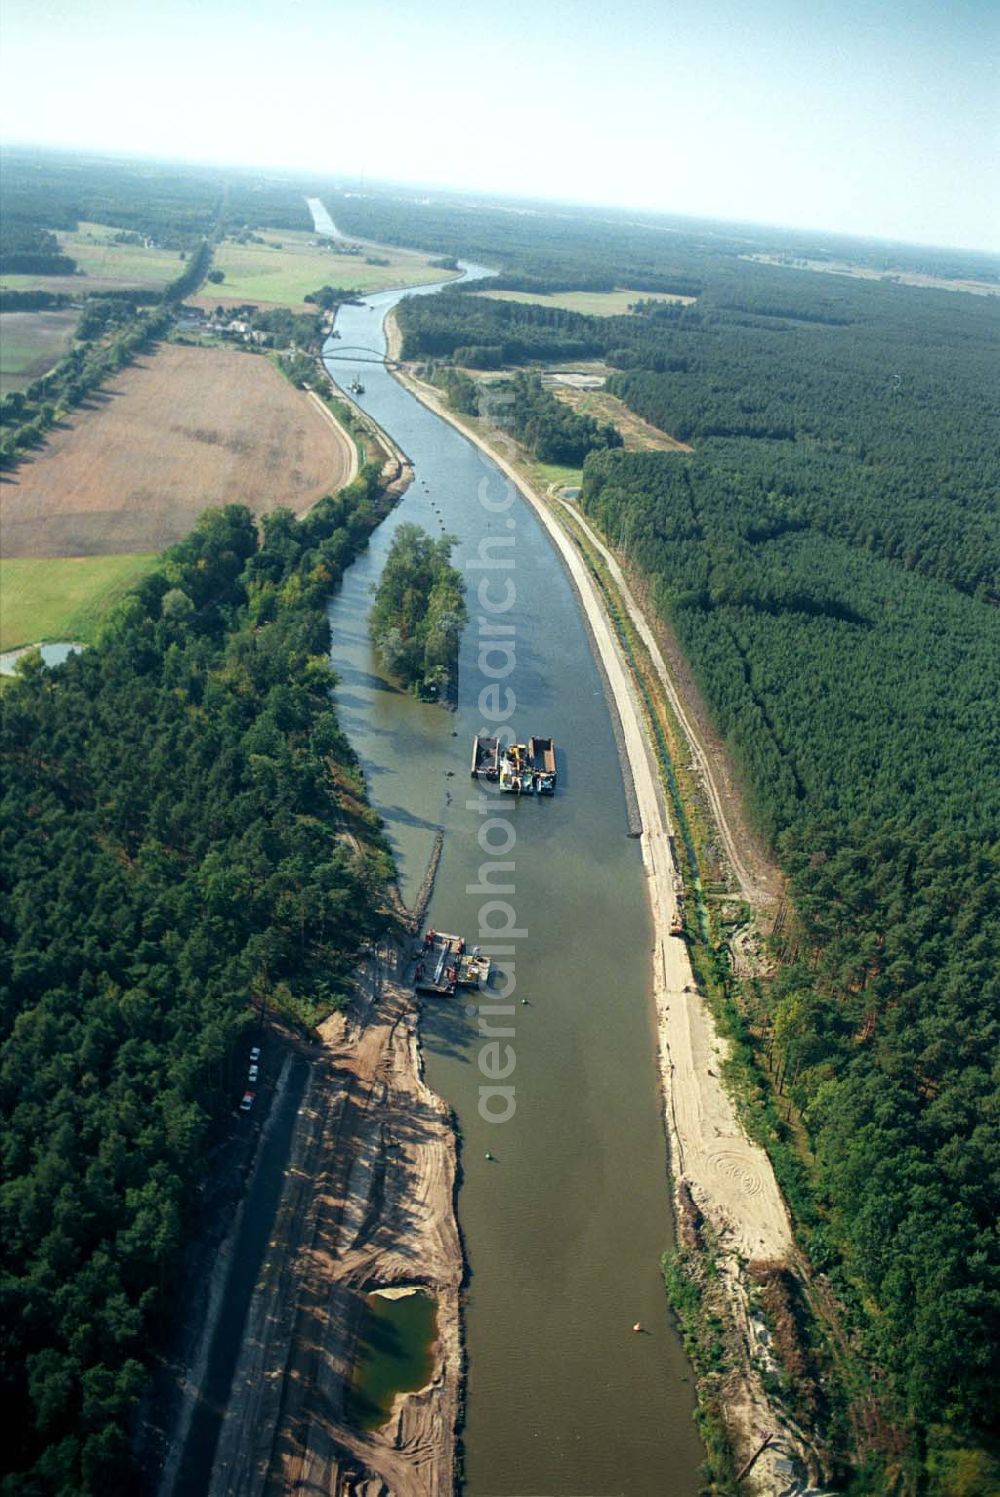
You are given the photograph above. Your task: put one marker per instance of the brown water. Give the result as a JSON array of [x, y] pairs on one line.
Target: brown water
[[565, 1226]]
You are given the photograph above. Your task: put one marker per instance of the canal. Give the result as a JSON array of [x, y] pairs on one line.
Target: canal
[[565, 1225]]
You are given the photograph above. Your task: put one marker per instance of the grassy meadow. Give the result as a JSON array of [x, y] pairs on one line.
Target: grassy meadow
[[288, 265], [44, 598], [102, 265]]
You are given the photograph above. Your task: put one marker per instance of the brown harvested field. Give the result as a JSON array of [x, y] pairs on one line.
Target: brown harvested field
[[180, 430]]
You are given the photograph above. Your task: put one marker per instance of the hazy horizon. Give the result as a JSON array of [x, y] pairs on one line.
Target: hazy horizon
[[877, 121]]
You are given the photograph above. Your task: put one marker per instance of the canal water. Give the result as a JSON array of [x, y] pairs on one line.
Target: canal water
[[565, 1225]]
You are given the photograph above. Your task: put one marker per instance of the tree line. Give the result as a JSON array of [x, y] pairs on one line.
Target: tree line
[[112, 330], [29, 249]]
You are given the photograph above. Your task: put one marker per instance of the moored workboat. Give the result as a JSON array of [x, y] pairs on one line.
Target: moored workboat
[[437, 966], [518, 768]]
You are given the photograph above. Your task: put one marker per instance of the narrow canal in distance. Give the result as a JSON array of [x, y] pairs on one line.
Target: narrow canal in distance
[[565, 1227]]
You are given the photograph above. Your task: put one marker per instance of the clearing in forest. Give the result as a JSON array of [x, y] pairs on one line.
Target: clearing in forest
[[637, 435], [592, 303], [181, 430]]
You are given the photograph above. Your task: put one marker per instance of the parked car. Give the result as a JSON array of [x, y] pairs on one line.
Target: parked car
[[247, 1102], [254, 1072]]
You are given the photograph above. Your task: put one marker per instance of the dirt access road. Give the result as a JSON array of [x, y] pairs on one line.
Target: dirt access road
[[366, 1201]]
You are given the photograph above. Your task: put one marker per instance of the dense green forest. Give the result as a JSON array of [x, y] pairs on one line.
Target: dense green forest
[[869, 408], [177, 804], [484, 334], [419, 611], [859, 702], [829, 558], [600, 248], [28, 249], [173, 205]]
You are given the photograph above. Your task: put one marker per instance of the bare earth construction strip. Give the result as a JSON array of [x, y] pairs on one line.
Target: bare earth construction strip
[[368, 1201]]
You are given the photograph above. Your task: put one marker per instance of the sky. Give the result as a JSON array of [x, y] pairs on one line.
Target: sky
[[877, 117]]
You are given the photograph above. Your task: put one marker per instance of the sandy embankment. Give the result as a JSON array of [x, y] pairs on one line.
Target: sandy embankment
[[368, 1202], [729, 1176]]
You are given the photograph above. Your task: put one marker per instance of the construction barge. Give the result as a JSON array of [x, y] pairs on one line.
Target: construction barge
[[518, 768], [444, 965]]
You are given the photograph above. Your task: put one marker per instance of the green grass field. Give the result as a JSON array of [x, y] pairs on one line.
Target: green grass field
[[593, 303], [63, 598], [30, 343], [92, 247], [283, 270], [103, 263]]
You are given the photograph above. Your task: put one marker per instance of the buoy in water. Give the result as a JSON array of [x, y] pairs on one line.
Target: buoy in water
[[488, 1154]]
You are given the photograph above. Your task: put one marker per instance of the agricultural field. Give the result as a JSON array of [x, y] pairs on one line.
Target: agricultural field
[[177, 432], [591, 303], [103, 265], [30, 343], [288, 265], [54, 598]]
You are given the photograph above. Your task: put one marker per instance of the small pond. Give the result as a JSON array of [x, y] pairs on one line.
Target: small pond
[[394, 1353]]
